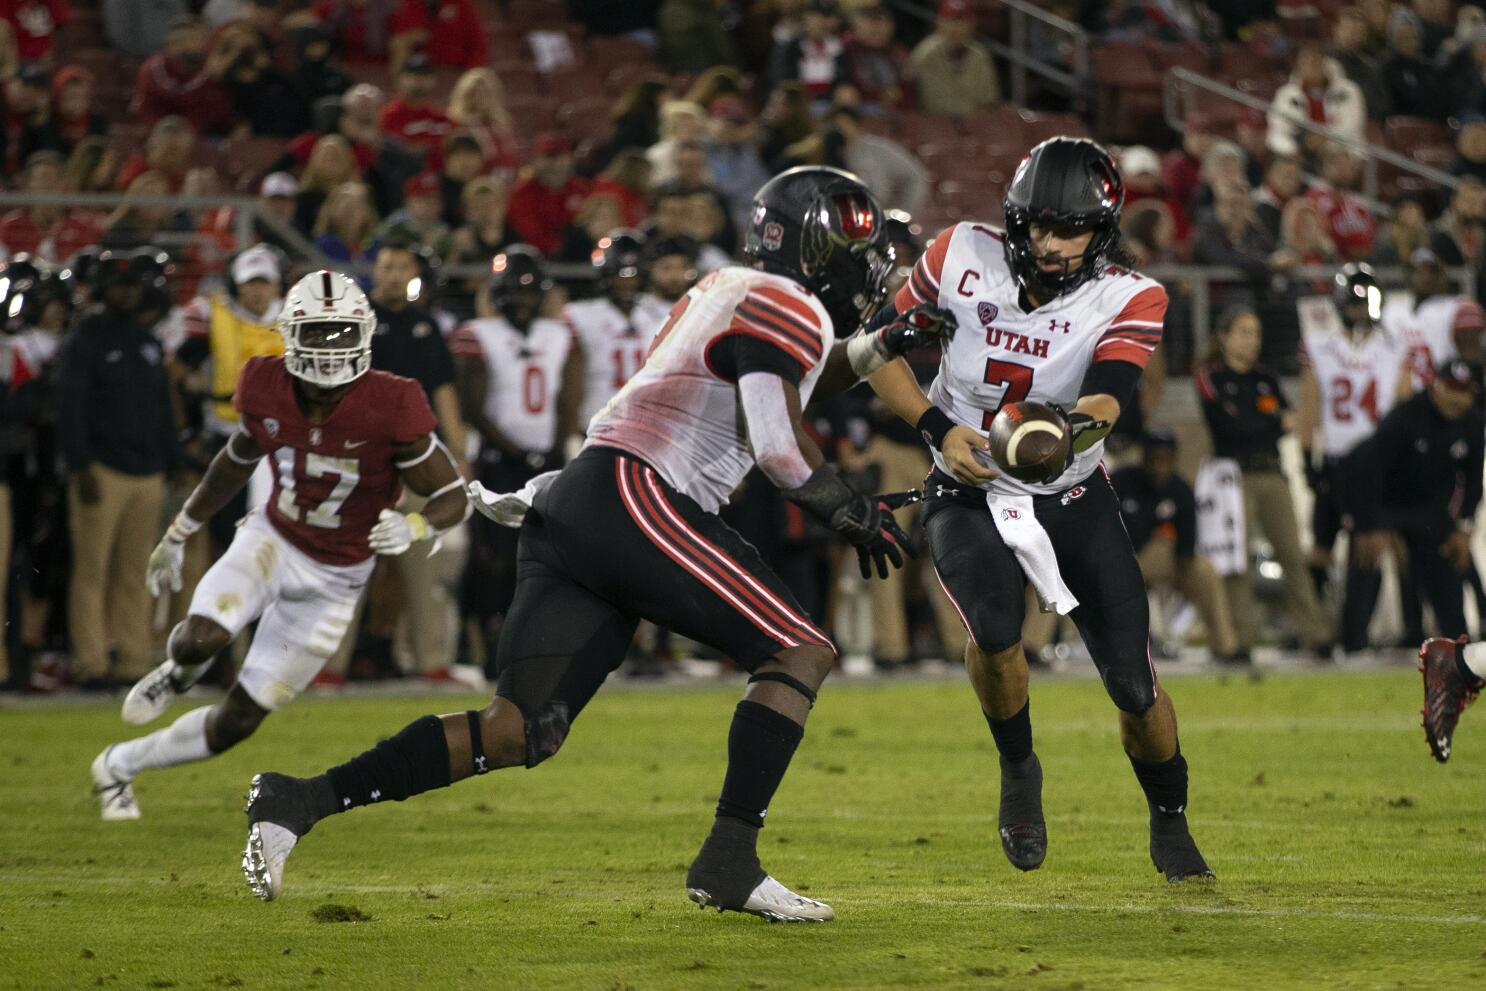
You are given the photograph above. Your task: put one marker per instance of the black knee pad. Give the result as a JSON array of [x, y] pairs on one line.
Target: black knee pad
[[1133, 692], [546, 729]]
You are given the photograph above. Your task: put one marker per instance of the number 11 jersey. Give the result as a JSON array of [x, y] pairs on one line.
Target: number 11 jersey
[[331, 479], [1002, 354]]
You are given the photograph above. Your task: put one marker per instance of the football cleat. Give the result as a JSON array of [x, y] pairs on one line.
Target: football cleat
[[115, 793], [279, 815], [152, 694], [770, 900], [1023, 830], [1173, 850], [1447, 693]]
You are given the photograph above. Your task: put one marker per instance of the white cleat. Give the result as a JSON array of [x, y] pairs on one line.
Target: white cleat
[[270, 842], [773, 901], [152, 694], [115, 794]]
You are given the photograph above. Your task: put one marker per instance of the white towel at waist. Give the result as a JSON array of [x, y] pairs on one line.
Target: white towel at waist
[[509, 508], [1018, 526], [1221, 537]]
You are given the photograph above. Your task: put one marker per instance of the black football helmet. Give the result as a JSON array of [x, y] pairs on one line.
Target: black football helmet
[[619, 259], [821, 227], [1355, 291], [1070, 185], [20, 277], [519, 283]]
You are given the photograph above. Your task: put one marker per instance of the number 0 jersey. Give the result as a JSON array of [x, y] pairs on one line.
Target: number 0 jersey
[[1002, 354], [331, 479], [523, 375], [1358, 377], [614, 344], [679, 413]]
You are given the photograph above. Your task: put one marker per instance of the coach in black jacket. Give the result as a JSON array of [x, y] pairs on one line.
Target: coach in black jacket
[[1419, 476]]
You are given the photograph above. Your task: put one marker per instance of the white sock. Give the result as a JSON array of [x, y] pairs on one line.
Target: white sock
[[181, 742], [1475, 658]]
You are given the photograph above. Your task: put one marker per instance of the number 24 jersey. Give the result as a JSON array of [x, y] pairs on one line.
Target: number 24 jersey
[[1002, 354], [331, 480]]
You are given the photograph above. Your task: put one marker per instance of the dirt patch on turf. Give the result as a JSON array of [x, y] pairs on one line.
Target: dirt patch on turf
[[338, 913]]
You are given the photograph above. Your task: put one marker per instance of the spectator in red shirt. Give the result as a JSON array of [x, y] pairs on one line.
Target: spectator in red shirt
[[411, 116], [168, 150], [1182, 168], [1348, 220], [72, 98], [449, 32], [35, 23], [1142, 170], [51, 232], [183, 81], [545, 202], [359, 28]]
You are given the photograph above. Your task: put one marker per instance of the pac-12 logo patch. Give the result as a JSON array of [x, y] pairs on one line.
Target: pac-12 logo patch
[[773, 236], [272, 426], [1072, 494], [987, 312]]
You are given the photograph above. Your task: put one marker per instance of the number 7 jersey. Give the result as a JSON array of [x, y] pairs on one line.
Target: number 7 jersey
[[1001, 354], [331, 480]]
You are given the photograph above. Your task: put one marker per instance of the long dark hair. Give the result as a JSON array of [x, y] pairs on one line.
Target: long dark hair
[[1227, 317]]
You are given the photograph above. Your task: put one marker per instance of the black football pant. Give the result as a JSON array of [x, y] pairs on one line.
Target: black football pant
[[1428, 573]]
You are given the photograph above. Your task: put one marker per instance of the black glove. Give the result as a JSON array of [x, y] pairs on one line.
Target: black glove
[[864, 521], [921, 326]]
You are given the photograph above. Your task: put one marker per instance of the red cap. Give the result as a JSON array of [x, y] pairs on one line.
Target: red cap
[[550, 143], [955, 10], [67, 74], [422, 184]]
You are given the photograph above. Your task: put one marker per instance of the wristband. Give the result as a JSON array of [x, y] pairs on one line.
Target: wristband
[[866, 354], [181, 528], [933, 426], [418, 526]]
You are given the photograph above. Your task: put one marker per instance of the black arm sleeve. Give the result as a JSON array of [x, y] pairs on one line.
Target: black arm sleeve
[[736, 355], [1111, 378]]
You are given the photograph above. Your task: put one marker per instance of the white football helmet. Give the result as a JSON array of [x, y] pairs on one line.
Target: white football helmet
[[327, 323]]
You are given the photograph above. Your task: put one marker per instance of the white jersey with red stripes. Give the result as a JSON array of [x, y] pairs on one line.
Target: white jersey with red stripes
[[681, 415], [1357, 374], [614, 344], [523, 375], [1427, 330], [1002, 354]]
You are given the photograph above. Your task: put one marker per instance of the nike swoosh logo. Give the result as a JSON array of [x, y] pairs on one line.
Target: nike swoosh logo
[[350, 446]]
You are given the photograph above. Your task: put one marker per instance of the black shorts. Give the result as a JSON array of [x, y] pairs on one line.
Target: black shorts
[[610, 543], [985, 582]]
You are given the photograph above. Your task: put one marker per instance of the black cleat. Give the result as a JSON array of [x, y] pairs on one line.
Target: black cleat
[[1446, 692], [727, 876], [1173, 850], [1023, 830], [281, 811]]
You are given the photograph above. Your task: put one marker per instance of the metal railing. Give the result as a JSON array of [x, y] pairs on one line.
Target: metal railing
[[1016, 55], [1179, 101]]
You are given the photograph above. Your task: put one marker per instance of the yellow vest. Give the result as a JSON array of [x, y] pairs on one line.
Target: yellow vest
[[234, 339]]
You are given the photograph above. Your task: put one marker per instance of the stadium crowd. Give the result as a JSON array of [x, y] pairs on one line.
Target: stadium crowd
[[412, 141]]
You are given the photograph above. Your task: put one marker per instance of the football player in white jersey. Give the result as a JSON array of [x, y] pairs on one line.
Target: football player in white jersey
[[1351, 375], [629, 531], [519, 380], [1045, 313], [613, 330], [1432, 324]]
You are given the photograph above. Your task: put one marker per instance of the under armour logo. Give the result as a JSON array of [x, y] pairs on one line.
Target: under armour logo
[[480, 767], [940, 492], [1056, 325], [376, 794], [345, 803]]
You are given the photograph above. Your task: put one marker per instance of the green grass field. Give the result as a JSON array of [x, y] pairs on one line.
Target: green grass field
[[1346, 858]]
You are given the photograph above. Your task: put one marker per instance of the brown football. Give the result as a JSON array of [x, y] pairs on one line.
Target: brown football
[[1029, 441]]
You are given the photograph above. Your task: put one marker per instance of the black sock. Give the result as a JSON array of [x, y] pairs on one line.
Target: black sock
[[760, 745], [1013, 735], [1164, 782], [412, 762]]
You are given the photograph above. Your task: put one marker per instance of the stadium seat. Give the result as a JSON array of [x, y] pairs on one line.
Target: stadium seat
[[1128, 86], [1406, 133], [245, 161]]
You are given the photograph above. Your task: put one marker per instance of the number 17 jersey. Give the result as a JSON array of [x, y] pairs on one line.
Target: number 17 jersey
[[1003, 354]]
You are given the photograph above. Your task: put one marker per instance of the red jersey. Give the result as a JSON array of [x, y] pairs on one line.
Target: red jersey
[[331, 479], [35, 23], [455, 35], [422, 126], [1348, 220], [539, 215]]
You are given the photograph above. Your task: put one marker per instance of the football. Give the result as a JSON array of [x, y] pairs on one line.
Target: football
[[1029, 441]]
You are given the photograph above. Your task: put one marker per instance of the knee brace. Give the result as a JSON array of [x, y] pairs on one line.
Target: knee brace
[[546, 731], [786, 679]]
